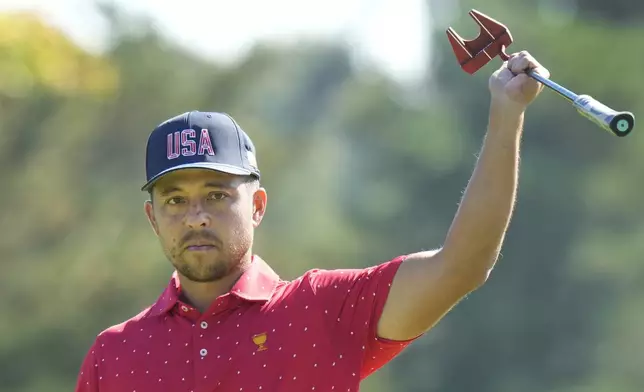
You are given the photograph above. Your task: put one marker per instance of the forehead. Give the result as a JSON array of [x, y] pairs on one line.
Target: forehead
[[187, 179]]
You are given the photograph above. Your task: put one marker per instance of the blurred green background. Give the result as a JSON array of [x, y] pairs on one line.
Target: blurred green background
[[374, 169]]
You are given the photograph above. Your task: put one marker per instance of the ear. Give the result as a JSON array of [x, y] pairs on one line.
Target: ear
[[260, 199], [149, 212]]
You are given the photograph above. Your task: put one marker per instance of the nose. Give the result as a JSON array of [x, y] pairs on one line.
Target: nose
[[196, 217]]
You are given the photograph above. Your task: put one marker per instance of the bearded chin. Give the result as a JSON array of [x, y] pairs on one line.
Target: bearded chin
[[203, 274], [204, 270]]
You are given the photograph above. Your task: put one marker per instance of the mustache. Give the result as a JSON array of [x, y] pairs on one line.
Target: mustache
[[204, 235]]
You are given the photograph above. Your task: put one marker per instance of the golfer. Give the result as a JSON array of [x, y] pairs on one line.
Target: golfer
[[227, 322]]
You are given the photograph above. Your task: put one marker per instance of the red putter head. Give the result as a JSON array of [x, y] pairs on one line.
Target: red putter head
[[492, 40]]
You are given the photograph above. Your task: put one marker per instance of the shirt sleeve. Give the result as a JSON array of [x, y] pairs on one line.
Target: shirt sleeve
[[354, 299], [87, 380]]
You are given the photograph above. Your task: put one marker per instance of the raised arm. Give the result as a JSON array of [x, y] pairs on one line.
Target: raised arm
[[428, 284]]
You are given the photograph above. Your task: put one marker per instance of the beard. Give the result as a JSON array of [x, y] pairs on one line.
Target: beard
[[202, 269], [212, 265]]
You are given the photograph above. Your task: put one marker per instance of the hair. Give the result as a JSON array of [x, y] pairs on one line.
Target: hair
[[252, 182]]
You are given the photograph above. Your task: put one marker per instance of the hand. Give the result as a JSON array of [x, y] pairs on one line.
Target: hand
[[510, 86]]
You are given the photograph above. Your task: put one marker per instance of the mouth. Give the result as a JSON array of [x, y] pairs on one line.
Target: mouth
[[200, 247]]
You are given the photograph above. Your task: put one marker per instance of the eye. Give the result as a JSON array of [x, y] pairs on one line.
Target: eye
[[217, 195], [174, 200]]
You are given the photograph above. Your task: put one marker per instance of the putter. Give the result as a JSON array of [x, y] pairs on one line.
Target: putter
[[493, 40]]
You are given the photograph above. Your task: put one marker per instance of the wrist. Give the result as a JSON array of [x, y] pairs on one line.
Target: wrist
[[506, 117], [507, 107]]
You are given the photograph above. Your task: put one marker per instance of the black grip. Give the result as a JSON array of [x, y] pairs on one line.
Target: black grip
[[619, 123]]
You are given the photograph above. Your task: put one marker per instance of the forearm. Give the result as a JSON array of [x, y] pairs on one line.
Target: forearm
[[475, 237]]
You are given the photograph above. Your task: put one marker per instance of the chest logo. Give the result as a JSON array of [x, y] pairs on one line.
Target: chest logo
[[260, 341]]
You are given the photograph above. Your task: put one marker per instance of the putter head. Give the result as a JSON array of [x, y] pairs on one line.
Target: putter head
[[492, 40]]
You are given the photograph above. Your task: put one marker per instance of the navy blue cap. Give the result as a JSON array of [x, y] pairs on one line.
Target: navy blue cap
[[204, 140]]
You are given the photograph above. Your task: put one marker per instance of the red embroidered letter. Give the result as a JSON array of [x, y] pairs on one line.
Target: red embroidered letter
[[190, 146], [205, 144], [173, 148]]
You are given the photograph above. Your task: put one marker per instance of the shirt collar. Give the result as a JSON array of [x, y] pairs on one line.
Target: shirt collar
[[257, 283]]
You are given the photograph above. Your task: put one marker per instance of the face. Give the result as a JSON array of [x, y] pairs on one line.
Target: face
[[205, 221]]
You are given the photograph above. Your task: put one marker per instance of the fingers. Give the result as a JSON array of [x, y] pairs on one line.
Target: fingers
[[512, 81], [504, 74], [523, 61]]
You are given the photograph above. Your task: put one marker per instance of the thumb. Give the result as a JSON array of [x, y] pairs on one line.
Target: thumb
[[504, 75], [526, 84]]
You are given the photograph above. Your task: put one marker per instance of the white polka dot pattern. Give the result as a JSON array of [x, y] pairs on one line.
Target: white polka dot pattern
[[315, 333]]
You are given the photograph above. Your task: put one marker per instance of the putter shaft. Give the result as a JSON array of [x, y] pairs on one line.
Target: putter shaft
[[564, 92]]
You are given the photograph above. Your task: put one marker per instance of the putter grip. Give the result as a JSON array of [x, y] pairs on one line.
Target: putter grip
[[619, 123]]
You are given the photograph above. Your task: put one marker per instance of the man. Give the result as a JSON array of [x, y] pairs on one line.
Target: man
[[227, 322]]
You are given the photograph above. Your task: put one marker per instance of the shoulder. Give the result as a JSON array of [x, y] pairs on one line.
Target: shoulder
[[320, 282], [122, 330], [323, 278]]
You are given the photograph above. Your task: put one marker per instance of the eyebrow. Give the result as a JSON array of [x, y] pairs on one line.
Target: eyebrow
[[168, 190], [210, 184]]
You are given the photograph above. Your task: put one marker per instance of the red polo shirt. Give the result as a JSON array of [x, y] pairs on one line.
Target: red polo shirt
[[316, 333]]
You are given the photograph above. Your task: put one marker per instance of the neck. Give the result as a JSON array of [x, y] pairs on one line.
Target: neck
[[202, 294]]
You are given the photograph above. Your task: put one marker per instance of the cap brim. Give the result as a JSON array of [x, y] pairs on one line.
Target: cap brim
[[220, 167]]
